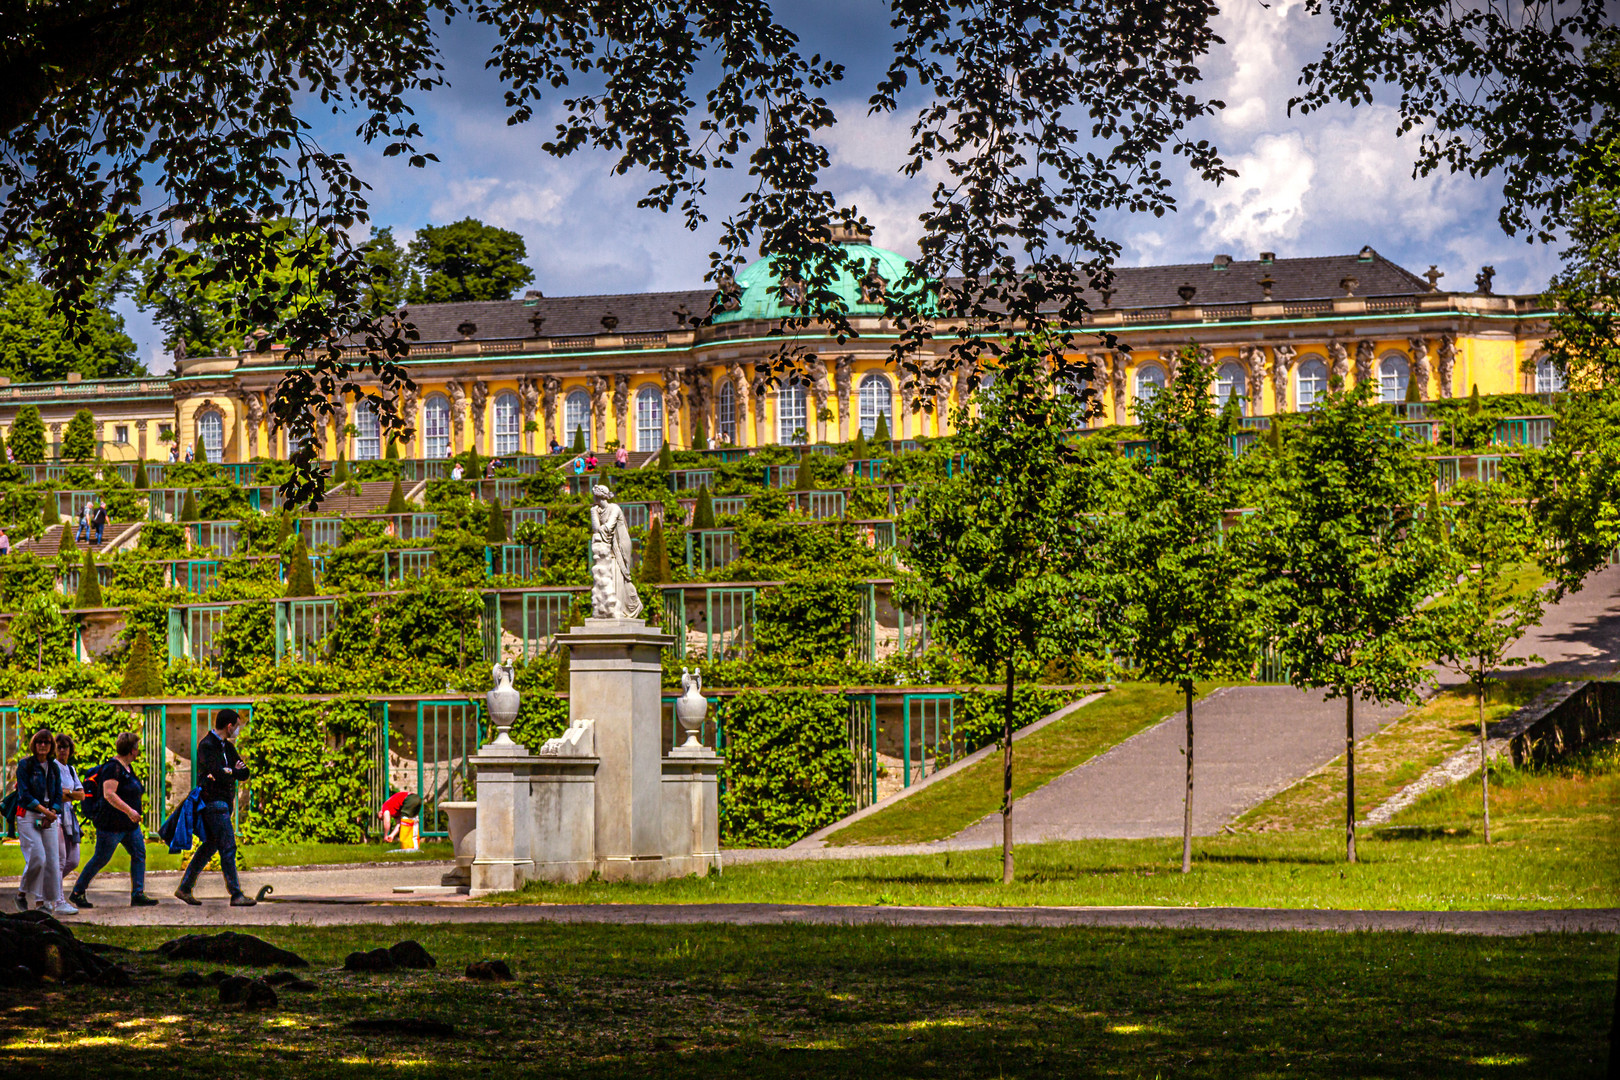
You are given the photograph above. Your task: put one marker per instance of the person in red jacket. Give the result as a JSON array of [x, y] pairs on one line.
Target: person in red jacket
[[401, 804]]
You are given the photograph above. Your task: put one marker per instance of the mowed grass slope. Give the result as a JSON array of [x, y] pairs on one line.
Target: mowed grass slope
[[1555, 833], [764, 1003], [952, 804]]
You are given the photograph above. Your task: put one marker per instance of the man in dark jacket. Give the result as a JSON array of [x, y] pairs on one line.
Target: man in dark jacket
[[220, 767], [98, 521]]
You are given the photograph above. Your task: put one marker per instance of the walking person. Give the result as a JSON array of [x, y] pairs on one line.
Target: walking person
[[5, 542], [72, 830], [84, 523], [98, 521], [621, 457], [118, 824], [39, 797], [220, 767]]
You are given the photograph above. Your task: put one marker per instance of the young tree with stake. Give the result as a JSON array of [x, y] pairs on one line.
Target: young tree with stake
[[1485, 608], [1179, 589], [1348, 560], [995, 551]]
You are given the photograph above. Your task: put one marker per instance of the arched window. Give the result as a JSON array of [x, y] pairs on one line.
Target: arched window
[[507, 424], [368, 443], [1549, 380], [211, 433], [725, 412], [1394, 375], [649, 418], [1150, 379], [1231, 381], [436, 426], [577, 418], [877, 399], [792, 419], [1311, 382]]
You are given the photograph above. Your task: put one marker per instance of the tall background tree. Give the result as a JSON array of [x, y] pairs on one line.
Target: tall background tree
[[994, 553], [466, 261], [1347, 560], [27, 436], [79, 437], [1179, 586], [41, 343]]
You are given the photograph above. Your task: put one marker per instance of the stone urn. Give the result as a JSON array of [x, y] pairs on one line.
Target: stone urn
[[691, 708], [503, 703]]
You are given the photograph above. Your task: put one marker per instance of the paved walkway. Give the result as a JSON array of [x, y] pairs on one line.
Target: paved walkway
[[1578, 637], [1496, 923]]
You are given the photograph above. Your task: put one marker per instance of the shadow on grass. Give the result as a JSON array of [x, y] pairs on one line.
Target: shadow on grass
[[1421, 832]]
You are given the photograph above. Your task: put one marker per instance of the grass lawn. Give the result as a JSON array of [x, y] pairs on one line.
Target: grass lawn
[[252, 857], [1555, 835], [1392, 758], [952, 804], [790, 1002]]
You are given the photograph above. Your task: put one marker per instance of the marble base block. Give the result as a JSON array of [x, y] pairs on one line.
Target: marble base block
[[691, 785]]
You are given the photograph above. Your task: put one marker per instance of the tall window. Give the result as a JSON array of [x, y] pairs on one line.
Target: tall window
[[649, 418], [1394, 375], [211, 433], [368, 443], [791, 416], [577, 417], [725, 411], [1549, 380], [1231, 381], [436, 426], [877, 399], [507, 424], [1150, 379], [1311, 382]]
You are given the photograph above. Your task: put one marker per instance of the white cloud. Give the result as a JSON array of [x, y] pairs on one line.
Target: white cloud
[[1265, 204]]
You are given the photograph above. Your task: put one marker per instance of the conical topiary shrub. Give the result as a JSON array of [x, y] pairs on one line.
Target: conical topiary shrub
[[578, 446], [64, 542], [200, 453], [284, 529], [1473, 401], [1274, 435], [142, 676], [392, 453], [804, 479], [654, 569], [300, 572], [700, 437], [495, 529], [89, 595], [703, 512], [396, 500], [1414, 394], [880, 433], [666, 458], [48, 512], [141, 481], [340, 471], [858, 450], [188, 505]]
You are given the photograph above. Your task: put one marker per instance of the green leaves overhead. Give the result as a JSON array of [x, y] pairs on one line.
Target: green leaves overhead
[[464, 261]]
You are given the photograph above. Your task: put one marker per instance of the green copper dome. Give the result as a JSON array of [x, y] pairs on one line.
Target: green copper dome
[[756, 298]]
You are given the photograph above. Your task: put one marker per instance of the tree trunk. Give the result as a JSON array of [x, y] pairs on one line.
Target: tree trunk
[[1006, 782], [1186, 820], [1350, 777], [1484, 772]]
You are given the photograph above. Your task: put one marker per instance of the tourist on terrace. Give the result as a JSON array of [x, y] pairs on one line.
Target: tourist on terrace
[[400, 805], [621, 457], [556, 447], [118, 824], [590, 461], [72, 830], [39, 800], [98, 520], [489, 470], [456, 471], [84, 524], [221, 767], [5, 543]]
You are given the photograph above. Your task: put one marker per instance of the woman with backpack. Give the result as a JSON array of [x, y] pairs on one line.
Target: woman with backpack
[[117, 813], [39, 806]]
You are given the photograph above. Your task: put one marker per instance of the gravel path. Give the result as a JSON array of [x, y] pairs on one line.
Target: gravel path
[[1495, 923]]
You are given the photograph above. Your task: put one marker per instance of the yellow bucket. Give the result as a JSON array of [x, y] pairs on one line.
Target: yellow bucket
[[408, 840]]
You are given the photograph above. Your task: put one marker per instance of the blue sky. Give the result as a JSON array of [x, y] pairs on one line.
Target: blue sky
[[1322, 184]]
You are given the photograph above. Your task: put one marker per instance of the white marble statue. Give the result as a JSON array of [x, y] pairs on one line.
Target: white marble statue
[[613, 594]]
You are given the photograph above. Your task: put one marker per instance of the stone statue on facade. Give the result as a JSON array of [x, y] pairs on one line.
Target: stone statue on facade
[[908, 395], [613, 592], [821, 392], [253, 407], [1365, 358], [967, 379], [1117, 361], [529, 393], [699, 394], [458, 409], [739, 394], [621, 408], [729, 293], [1340, 357], [672, 404], [1282, 362], [598, 386], [843, 375], [874, 286], [1483, 280], [1253, 359], [480, 395], [1420, 365], [1446, 354], [761, 387]]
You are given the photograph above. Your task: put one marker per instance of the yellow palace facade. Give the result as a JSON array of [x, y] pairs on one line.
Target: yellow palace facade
[[516, 376]]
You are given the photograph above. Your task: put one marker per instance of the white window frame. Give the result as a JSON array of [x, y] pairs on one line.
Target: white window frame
[[1143, 381], [1305, 398], [211, 434], [1392, 384], [577, 417], [1549, 380], [649, 419], [876, 399], [725, 411], [368, 438], [436, 426], [1227, 385], [508, 424], [792, 412]]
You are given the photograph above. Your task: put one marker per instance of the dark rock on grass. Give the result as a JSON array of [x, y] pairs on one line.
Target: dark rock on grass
[[217, 977], [249, 993], [230, 948], [375, 960], [190, 980], [302, 985], [280, 978], [410, 954], [46, 949], [404, 1025], [115, 976], [489, 971]]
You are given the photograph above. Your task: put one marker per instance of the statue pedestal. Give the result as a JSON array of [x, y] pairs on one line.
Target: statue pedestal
[[505, 823], [692, 810], [615, 672]]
